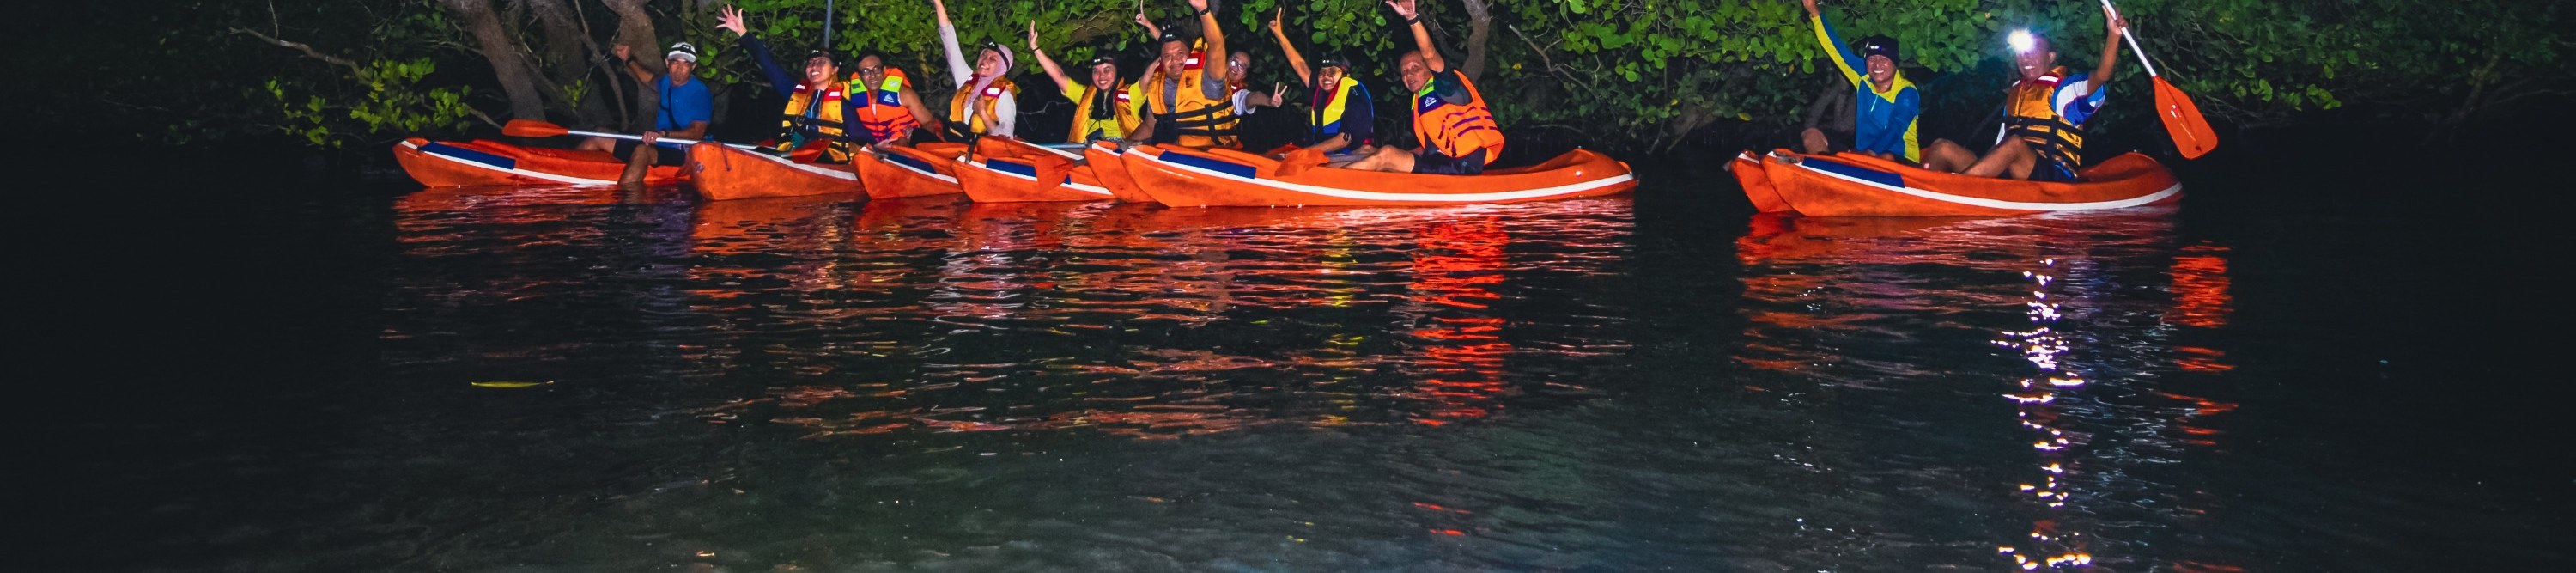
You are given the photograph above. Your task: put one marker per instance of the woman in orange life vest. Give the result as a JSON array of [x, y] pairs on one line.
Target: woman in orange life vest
[[2045, 111], [986, 103], [1457, 131], [815, 105], [1189, 107], [883, 105], [1340, 118], [1103, 110]]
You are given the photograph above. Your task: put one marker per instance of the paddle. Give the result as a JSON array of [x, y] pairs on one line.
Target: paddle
[[2182, 120], [534, 128]]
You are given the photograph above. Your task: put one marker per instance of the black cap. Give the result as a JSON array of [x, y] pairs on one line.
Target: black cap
[[826, 55], [1334, 62], [1878, 46], [1171, 36], [1100, 61]]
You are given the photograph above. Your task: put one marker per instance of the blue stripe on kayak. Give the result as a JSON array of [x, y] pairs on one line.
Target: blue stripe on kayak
[[469, 155], [1013, 167], [1854, 171], [1212, 164], [909, 161]]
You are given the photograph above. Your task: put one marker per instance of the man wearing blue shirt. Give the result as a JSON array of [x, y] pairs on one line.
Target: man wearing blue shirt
[[1886, 103], [687, 107]]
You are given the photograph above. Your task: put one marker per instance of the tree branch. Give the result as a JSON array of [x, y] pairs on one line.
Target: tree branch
[[302, 47]]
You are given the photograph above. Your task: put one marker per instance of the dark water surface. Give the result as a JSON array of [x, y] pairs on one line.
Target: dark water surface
[[2276, 376]]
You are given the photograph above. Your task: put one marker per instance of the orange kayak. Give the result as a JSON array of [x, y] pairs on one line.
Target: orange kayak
[[1108, 165], [721, 173], [1007, 170], [1227, 178], [1849, 185], [918, 171], [1757, 184], [484, 162]]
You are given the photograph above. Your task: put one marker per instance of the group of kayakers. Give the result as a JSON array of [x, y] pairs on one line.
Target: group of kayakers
[[1187, 98], [2044, 110]]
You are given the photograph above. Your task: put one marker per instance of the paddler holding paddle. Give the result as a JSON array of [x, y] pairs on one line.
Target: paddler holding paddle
[[686, 108], [2044, 115]]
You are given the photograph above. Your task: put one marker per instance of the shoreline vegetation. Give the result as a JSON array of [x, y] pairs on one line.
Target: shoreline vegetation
[[1629, 76]]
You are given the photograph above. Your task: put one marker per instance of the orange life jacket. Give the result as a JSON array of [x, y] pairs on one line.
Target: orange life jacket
[[1195, 120], [1456, 129], [883, 113], [1122, 118], [2032, 115], [964, 124], [814, 112]]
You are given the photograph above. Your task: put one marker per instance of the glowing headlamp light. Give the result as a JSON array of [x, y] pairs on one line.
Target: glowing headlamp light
[[2022, 42]]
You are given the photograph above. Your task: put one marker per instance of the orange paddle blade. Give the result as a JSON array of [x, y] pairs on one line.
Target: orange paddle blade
[[811, 152], [2190, 132], [531, 128]]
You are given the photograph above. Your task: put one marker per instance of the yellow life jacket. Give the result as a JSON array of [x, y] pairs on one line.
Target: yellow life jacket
[[815, 113], [2031, 114], [964, 124], [1456, 129], [883, 113], [1087, 123], [1329, 107], [1196, 120]]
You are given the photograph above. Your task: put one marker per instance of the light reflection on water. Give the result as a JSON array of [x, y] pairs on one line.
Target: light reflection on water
[[808, 384]]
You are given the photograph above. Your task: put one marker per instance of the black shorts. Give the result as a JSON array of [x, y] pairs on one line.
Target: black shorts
[[668, 156], [1430, 162], [2049, 171]]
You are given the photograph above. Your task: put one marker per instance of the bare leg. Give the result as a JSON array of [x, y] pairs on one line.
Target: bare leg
[[1388, 159], [1814, 142], [599, 144], [1946, 155], [637, 165], [2012, 158]]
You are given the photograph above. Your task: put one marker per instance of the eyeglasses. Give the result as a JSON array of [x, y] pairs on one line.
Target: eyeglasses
[[872, 70]]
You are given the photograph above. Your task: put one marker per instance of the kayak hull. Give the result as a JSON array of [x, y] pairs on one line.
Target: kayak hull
[[923, 170], [1109, 165], [485, 162], [1007, 170], [1226, 178], [1852, 185], [1756, 183], [724, 173]]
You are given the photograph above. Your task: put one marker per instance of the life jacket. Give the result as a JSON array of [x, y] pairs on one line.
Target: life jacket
[[815, 113], [883, 113], [1088, 124], [1456, 129], [1195, 120], [1324, 118], [963, 124], [2031, 113]]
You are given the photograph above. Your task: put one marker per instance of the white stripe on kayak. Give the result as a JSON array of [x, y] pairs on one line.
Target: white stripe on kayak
[[1566, 189], [1092, 189], [2001, 204], [851, 175], [909, 167], [567, 179]]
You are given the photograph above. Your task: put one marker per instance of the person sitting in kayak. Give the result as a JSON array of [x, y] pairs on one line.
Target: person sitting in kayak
[[686, 109], [2045, 110], [814, 105], [883, 105], [1457, 131], [1189, 103], [1104, 109], [1237, 69], [986, 102], [1339, 116], [1887, 103]]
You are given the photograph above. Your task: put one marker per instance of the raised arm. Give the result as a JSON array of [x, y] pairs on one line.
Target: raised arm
[[1216, 62], [1421, 35], [730, 19], [2110, 48], [1844, 59], [626, 56], [1152, 32], [1053, 71], [1296, 61], [957, 68]]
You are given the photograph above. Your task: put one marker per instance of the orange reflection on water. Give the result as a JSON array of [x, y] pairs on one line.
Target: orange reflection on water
[[2200, 287], [1454, 272]]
